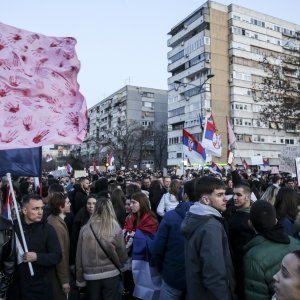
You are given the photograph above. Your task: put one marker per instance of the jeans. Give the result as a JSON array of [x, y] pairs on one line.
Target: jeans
[[169, 293]]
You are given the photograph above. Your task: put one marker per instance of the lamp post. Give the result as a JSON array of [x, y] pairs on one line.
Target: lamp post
[[178, 83]]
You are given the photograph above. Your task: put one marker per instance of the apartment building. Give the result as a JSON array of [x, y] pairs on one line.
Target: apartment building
[[141, 105], [228, 42]]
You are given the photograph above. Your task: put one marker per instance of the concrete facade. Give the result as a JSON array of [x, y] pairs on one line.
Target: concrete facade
[[228, 42], [146, 106]]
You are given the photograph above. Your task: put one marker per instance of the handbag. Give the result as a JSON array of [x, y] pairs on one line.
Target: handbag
[[121, 288]]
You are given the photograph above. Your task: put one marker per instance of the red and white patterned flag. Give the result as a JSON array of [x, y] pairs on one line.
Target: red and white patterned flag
[[40, 102]]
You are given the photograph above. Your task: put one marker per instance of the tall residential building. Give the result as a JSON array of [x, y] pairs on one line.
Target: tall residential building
[[144, 106], [228, 42]]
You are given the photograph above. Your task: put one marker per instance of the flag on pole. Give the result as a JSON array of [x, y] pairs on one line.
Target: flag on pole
[[69, 168], [41, 103], [231, 135], [231, 141], [245, 164], [192, 148], [95, 165], [211, 139], [110, 158], [8, 204], [201, 120], [215, 168], [21, 162], [266, 162]]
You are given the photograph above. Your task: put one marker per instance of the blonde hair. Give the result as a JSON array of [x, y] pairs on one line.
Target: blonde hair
[[104, 220]]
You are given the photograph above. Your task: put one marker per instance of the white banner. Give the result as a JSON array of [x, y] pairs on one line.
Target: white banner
[[287, 158]]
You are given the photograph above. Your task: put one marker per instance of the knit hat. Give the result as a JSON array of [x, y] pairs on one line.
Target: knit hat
[[101, 185], [263, 219], [262, 215]]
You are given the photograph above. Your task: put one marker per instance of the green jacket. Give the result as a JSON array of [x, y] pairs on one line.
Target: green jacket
[[262, 260]]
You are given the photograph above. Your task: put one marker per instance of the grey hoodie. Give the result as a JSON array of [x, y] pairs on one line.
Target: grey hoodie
[[208, 263]]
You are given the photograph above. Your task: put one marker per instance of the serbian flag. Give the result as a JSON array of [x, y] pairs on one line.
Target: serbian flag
[[69, 168], [21, 162], [215, 168], [8, 204], [145, 276], [211, 139], [245, 164], [40, 99], [192, 148]]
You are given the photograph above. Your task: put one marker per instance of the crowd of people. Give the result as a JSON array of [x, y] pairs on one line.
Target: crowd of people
[[141, 235]]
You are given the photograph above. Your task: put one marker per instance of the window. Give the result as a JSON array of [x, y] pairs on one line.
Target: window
[[148, 95], [289, 141], [148, 104], [178, 155], [176, 112], [176, 57]]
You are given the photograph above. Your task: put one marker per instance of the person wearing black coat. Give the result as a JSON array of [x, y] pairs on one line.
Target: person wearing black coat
[[44, 252], [7, 255]]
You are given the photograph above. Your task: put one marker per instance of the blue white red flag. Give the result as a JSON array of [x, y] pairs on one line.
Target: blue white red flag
[[69, 168], [215, 168], [21, 162], [192, 148], [211, 139], [8, 204], [245, 164], [145, 276]]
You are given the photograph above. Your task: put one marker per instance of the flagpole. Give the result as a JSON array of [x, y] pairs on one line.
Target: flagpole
[[8, 175]]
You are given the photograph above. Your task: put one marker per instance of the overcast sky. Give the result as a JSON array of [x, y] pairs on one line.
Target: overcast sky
[[120, 41]]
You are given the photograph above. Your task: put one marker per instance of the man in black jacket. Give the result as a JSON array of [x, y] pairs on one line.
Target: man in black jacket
[[7, 255], [44, 252]]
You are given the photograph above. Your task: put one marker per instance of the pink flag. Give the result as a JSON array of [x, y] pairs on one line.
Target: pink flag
[[40, 99]]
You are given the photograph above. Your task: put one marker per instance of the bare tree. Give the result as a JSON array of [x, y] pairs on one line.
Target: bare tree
[[123, 141], [160, 146], [279, 91]]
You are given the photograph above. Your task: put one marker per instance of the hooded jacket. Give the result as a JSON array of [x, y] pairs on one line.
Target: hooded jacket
[[262, 261], [209, 270], [168, 247]]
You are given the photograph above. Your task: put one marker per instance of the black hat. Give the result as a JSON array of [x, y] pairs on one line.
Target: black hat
[[262, 215]]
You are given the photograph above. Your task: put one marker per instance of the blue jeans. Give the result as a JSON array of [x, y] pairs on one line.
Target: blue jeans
[[169, 293]]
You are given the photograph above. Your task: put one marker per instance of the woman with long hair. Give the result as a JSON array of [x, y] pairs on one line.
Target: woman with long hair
[[286, 206], [170, 199], [59, 206], [139, 228], [101, 253], [118, 201]]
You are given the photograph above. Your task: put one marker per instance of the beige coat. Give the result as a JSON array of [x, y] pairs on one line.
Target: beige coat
[[62, 273], [91, 262]]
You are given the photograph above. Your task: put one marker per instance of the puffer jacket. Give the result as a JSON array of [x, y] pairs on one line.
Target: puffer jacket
[[261, 262], [91, 261], [7, 254], [167, 203]]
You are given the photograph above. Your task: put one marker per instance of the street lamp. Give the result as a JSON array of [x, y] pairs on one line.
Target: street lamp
[[178, 83]]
